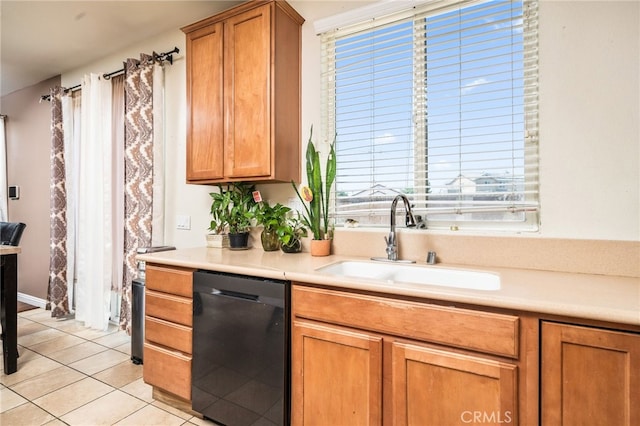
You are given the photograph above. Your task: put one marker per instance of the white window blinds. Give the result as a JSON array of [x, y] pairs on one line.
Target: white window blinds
[[438, 103]]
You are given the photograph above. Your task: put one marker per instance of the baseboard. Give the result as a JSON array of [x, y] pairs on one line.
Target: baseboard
[[31, 300], [41, 303]]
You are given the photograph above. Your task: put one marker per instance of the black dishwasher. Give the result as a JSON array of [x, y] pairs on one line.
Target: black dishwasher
[[240, 368]]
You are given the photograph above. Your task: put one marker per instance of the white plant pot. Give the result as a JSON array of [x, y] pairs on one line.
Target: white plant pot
[[218, 240]]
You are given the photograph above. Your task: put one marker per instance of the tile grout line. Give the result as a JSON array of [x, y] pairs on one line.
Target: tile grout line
[[84, 375]]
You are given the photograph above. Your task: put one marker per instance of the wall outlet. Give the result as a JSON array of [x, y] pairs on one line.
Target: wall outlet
[[183, 221], [14, 192], [295, 204]]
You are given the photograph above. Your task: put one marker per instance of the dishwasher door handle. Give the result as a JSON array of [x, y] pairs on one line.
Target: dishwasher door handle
[[235, 294]]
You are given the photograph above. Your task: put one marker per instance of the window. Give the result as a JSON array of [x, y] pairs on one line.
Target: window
[[438, 103]]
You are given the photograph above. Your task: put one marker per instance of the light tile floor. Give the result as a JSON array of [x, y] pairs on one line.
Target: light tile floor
[[71, 375]]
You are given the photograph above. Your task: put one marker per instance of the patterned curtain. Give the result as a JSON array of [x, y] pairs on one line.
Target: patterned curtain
[[117, 130], [138, 171], [57, 293]]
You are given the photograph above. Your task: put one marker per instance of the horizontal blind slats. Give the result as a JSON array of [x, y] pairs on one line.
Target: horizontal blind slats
[[441, 106]]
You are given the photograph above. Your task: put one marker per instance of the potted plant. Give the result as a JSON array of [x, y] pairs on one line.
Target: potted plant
[[218, 236], [290, 234], [240, 214], [271, 218], [232, 208], [317, 195]]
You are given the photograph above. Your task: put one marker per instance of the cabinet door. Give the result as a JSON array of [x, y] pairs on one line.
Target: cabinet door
[[205, 121], [436, 387], [589, 376], [336, 376], [247, 74]]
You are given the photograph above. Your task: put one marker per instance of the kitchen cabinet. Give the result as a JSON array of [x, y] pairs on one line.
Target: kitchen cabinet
[[440, 387], [369, 359], [336, 375], [168, 329], [589, 376], [243, 95]]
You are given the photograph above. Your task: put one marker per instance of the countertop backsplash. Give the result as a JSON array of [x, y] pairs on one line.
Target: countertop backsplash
[[600, 257]]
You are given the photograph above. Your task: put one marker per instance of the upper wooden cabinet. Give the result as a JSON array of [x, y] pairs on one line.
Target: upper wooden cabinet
[[243, 95]]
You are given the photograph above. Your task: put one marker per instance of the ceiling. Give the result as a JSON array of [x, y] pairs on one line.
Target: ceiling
[[42, 39]]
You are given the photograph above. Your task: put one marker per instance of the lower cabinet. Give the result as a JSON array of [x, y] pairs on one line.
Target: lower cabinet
[[365, 359], [336, 376], [589, 376], [168, 329], [438, 387], [368, 360]]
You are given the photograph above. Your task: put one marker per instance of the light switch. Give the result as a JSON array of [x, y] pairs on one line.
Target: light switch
[[183, 221]]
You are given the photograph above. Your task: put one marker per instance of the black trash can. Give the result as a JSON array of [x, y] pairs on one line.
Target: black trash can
[[137, 305], [137, 320]]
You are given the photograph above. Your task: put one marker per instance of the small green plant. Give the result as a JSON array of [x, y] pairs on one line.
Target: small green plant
[[232, 208], [291, 231], [241, 211], [219, 206], [317, 194], [271, 217]]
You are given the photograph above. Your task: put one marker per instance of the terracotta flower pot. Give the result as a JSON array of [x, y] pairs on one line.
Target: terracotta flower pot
[[320, 247]]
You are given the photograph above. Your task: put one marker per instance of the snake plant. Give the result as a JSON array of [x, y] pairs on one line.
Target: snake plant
[[317, 193]]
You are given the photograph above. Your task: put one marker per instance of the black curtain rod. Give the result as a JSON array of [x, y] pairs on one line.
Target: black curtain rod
[[155, 57]]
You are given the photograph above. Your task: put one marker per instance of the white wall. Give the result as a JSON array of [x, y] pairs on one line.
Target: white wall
[[589, 119]]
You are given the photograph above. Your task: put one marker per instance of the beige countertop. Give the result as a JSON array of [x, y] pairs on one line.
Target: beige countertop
[[9, 250], [589, 296]]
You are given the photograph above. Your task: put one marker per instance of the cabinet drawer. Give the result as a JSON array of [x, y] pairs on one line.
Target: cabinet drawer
[[172, 280], [168, 307], [167, 370], [464, 328], [168, 334]]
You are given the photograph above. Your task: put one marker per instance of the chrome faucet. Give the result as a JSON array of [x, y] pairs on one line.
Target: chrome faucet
[[392, 239]]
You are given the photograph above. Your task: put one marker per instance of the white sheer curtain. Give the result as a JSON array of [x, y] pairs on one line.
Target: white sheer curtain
[[95, 240], [71, 112], [4, 215], [157, 235]]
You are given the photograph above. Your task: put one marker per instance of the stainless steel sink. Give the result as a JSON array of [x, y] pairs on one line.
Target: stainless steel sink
[[415, 274]]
